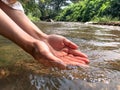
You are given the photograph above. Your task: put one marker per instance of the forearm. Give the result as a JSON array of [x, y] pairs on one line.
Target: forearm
[[10, 30], [22, 20]]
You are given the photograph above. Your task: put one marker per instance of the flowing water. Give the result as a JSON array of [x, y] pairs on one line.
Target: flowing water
[[18, 70]]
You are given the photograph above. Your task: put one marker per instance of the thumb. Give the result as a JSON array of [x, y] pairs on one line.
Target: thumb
[[70, 44]]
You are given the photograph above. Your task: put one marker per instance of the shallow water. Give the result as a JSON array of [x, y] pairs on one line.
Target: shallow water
[[18, 70]]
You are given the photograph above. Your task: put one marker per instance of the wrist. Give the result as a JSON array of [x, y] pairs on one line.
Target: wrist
[[41, 36], [28, 45]]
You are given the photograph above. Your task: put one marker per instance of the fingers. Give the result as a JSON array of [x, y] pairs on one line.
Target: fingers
[[72, 47], [83, 59], [79, 56], [70, 44], [77, 53], [79, 59], [71, 61]]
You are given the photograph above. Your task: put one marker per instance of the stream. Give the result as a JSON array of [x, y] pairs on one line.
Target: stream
[[19, 71]]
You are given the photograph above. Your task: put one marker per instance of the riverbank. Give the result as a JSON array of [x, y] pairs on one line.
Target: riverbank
[[112, 23]]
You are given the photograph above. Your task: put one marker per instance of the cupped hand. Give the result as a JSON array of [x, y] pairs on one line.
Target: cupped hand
[[57, 51]]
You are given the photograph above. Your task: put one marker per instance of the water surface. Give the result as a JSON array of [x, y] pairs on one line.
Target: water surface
[[19, 71]]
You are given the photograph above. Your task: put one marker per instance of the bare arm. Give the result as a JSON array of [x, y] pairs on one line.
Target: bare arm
[[37, 48], [10, 30], [22, 20]]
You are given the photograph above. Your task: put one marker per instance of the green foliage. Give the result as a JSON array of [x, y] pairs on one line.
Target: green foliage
[[32, 18], [87, 10], [51, 8], [31, 9], [42, 8], [114, 9], [105, 19], [79, 10]]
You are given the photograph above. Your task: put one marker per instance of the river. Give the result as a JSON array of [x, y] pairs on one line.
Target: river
[[18, 70]]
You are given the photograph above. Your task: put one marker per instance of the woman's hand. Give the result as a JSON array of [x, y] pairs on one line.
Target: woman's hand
[[57, 51]]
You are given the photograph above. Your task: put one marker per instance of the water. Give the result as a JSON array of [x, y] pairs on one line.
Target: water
[[18, 70]]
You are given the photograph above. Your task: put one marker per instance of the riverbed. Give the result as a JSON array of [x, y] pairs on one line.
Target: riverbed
[[19, 71]]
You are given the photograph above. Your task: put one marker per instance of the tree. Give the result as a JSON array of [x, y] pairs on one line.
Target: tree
[[86, 10], [31, 9], [51, 8], [44, 9]]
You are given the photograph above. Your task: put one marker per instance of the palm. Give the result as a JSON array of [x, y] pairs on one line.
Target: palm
[[66, 51], [59, 42], [59, 52]]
